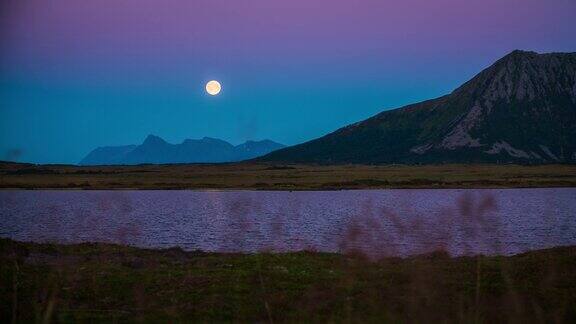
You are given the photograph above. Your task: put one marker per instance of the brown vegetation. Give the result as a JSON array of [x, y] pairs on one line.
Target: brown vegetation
[[283, 177]]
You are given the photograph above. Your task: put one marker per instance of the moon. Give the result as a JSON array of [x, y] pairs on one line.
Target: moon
[[213, 87]]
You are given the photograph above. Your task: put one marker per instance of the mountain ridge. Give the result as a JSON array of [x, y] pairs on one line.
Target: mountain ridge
[[521, 109], [155, 150]]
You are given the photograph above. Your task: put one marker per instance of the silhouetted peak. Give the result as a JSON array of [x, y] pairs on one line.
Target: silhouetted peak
[[263, 145], [156, 150], [520, 53], [521, 108], [522, 74], [261, 142], [212, 139], [153, 140], [206, 141]]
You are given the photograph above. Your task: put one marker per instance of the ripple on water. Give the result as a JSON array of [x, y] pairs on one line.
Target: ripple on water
[[373, 222]]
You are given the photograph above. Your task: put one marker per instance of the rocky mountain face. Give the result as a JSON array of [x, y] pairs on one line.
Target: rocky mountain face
[[155, 150], [522, 109]]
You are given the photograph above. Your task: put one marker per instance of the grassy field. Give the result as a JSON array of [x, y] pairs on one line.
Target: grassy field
[[284, 177], [108, 283]]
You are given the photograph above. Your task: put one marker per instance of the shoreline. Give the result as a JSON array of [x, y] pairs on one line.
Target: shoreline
[[240, 189], [170, 249]]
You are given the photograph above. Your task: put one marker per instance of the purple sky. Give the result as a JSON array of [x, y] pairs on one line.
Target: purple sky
[[111, 71]]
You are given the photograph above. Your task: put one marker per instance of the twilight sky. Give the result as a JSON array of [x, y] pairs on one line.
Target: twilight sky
[[75, 75]]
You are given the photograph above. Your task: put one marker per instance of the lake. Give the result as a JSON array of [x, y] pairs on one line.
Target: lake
[[395, 222]]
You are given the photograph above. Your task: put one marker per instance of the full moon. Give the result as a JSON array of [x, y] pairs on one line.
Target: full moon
[[213, 87]]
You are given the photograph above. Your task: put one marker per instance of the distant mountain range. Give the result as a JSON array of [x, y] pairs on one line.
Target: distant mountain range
[[522, 109], [155, 150]]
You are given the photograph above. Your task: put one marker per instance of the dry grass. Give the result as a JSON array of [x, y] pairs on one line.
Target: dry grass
[[282, 177]]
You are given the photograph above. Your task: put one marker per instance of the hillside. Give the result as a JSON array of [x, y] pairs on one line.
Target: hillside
[[522, 109]]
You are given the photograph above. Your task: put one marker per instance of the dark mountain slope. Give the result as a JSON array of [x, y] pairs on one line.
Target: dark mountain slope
[[522, 109]]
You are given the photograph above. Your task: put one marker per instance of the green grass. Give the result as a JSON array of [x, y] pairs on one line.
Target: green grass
[[106, 283]]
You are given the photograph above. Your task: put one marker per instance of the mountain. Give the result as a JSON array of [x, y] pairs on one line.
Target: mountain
[[155, 150], [107, 155], [252, 149], [522, 109]]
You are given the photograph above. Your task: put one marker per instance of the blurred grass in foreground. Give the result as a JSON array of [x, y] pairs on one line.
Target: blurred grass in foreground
[[107, 283]]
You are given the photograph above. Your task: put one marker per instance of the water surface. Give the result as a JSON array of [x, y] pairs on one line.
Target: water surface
[[375, 222]]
